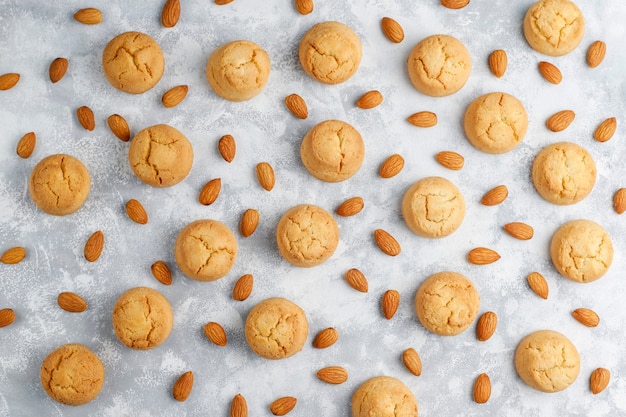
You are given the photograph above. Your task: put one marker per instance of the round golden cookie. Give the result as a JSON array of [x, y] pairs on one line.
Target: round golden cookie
[[581, 250], [495, 123], [447, 303], [554, 27], [59, 184], [439, 65], [142, 318], [332, 151], [547, 361], [160, 155], [307, 235], [383, 396], [276, 328], [72, 374], [330, 52], [133, 62], [433, 207], [238, 70], [205, 250], [564, 173]]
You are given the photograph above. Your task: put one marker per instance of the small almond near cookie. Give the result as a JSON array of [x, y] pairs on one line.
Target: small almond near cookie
[[391, 166], [482, 256], [599, 380], [88, 16], [498, 62], [423, 119], [243, 287], [93, 246], [356, 279], [392, 29], [605, 130], [210, 192], [325, 338], [71, 302], [13, 255], [249, 222], [7, 317], [370, 100], [86, 118], [450, 160], [297, 106], [26, 145], [119, 127], [333, 375], [170, 14], [161, 272], [538, 284], [550, 72], [519, 230], [215, 333], [283, 405], [561, 120], [390, 303], [596, 53], [174, 96], [183, 386], [482, 389], [486, 326], [58, 68], [412, 361], [304, 7], [495, 196], [586, 317], [227, 148], [136, 212], [265, 176], [387, 243]]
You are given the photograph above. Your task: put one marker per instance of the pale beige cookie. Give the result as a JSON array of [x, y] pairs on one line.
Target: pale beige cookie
[[433, 207], [59, 184], [581, 250], [554, 27], [205, 250], [238, 70], [330, 52], [564, 173], [72, 374], [142, 318], [447, 303], [332, 151], [160, 155], [439, 65], [383, 396], [495, 123], [276, 328], [307, 235], [133, 62], [547, 361]]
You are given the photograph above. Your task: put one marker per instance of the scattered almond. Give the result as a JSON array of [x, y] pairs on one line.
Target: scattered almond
[[86, 118], [333, 375], [423, 119], [350, 207], [495, 196], [243, 287], [486, 326], [325, 338], [390, 303], [482, 389], [297, 106], [239, 406], [13, 255], [560, 120], [370, 100], [482, 256], [249, 222], [538, 284], [136, 212], [71, 302], [8, 81], [595, 53], [599, 380], [387, 243], [392, 166], [227, 147], [356, 280], [57, 69], [498, 62], [450, 160], [162, 272], [170, 14], [519, 230], [119, 127], [454, 4], [174, 95], [210, 192], [392, 30], [412, 361], [222, 2], [265, 175], [550, 72], [94, 246], [283, 406], [215, 333], [605, 130], [586, 317], [182, 386], [304, 7], [619, 201], [7, 317], [26, 145], [88, 16]]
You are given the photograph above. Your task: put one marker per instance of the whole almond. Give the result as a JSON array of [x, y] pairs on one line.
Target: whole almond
[[161, 272], [498, 62], [119, 127], [412, 361], [26, 145], [333, 375], [227, 148], [391, 166], [71, 302], [238, 406], [586, 317], [215, 333], [304, 7], [57, 69], [13, 255], [325, 338], [486, 326], [423, 119], [356, 280], [8, 81], [86, 118], [136, 212], [182, 386], [249, 222], [210, 192], [482, 389], [297, 106], [538, 284], [243, 287], [595, 53], [599, 380], [392, 30], [283, 406], [350, 207], [370, 100], [387, 243], [94, 246], [519, 230], [450, 160], [265, 175], [7, 317], [88, 16], [174, 95], [619, 201], [495, 196], [170, 14], [482, 256], [605, 130], [560, 120], [454, 4], [390, 303], [550, 72]]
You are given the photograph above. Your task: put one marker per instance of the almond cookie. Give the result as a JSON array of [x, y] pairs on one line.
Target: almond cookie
[[554, 27], [433, 207], [307, 235], [142, 318], [383, 396], [495, 123], [160, 156], [205, 250], [439, 65], [447, 303], [547, 361], [330, 52], [581, 250], [72, 374], [59, 184], [276, 328], [332, 151], [238, 70], [133, 62], [564, 173]]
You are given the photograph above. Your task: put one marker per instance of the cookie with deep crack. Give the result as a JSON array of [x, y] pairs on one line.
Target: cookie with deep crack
[[383, 396], [554, 27]]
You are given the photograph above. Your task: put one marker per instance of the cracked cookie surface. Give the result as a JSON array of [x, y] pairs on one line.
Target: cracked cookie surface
[[447, 303], [383, 396], [205, 250], [133, 62], [72, 374], [554, 27], [547, 361], [332, 151], [59, 184]]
